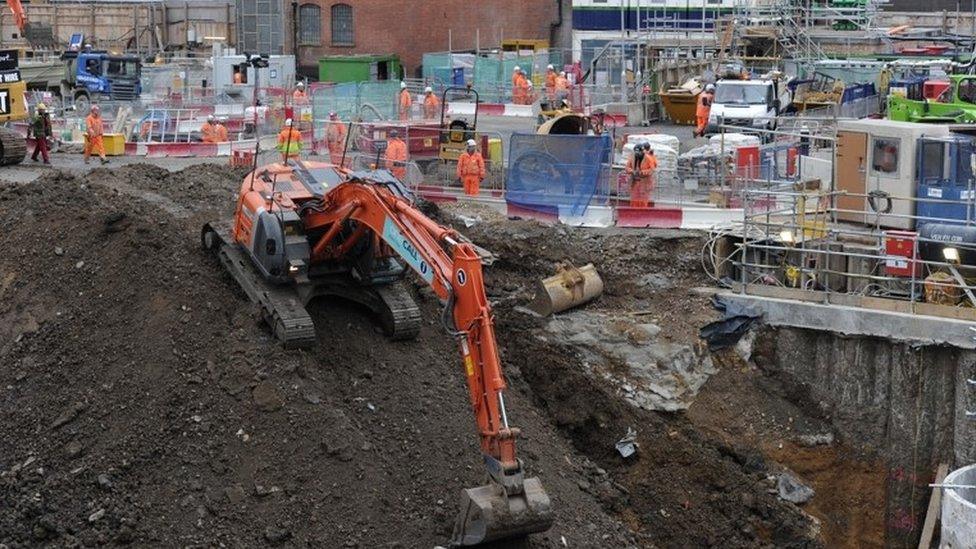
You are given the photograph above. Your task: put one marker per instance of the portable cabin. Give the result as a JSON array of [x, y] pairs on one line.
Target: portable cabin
[[359, 68], [878, 156]]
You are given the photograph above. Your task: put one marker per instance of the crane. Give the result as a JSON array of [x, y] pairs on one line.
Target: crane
[[304, 229]]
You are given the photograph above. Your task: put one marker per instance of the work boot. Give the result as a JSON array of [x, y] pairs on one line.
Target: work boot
[[105, 161], [87, 161]]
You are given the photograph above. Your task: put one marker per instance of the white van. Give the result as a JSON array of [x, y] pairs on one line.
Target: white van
[[745, 104]]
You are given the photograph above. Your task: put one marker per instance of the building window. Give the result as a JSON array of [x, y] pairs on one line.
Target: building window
[[310, 25], [342, 25], [884, 156]]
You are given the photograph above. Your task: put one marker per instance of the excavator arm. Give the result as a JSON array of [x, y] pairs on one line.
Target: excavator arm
[[509, 505], [20, 16]]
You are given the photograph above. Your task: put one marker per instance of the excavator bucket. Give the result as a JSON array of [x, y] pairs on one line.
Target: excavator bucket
[[568, 288], [489, 514]]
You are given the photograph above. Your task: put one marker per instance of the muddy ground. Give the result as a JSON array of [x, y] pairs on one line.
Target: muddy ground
[[144, 404]]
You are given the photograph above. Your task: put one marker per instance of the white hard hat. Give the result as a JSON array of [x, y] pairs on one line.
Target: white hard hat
[[428, 89], [301, 84], [709, 87], [288, 121], [550, 67], [529, 83], [562, 73], [517, 69], [211, 117], [403, 85], [95, 108], [472, 143]]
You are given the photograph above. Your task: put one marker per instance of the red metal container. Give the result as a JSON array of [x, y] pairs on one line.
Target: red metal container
[[932, 89], [900, 254]]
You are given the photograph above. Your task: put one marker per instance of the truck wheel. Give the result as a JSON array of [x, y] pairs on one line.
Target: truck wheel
[[82, 102]]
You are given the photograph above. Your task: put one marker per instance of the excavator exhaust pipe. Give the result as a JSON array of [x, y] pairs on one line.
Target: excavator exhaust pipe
[[489, 514], [568, 288]]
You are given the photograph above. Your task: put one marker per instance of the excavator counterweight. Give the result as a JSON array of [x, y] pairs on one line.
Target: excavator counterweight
[[303, 230]]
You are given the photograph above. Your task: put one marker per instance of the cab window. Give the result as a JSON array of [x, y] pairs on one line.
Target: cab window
[[967, 90], [884, 156], [93, 66]]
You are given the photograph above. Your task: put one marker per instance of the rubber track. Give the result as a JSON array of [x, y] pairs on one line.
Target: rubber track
[[280, 307]]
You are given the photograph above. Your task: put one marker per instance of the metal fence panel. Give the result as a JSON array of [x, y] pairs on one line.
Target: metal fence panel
[[550, 172]]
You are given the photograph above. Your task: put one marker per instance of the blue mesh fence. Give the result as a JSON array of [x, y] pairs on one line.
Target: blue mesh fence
[[558, 173]]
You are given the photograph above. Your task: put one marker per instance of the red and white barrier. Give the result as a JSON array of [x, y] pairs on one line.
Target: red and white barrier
[[456, 108], [659, 216]]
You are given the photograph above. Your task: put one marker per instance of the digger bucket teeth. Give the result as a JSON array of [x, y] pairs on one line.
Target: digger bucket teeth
[[489, 514]]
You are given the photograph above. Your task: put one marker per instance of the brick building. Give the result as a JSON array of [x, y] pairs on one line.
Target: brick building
[[410, 28]]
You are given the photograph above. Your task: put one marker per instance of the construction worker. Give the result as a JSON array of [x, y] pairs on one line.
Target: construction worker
[[703, 109], [289, 141], [562, 87], [520, 86], [640, 172], [335, 138], [405, 102], [396, 155], [94, 130], [551, 77], [41, 130], [471, 169], [213, 131], [299, 97], [529, 97], [432, 105]]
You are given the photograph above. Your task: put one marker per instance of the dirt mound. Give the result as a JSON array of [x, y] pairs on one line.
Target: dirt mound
[[143, 402]]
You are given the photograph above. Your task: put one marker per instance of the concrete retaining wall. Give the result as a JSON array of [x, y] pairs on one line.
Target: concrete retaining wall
[[903, 404]]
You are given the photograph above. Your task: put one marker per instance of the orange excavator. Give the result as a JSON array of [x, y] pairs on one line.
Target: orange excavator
[[305, 229]]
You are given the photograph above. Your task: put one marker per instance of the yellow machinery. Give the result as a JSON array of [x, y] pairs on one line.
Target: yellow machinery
[[456, 133], [13, 107]]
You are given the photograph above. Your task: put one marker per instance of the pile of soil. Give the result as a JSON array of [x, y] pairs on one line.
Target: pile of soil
[[145, 404]]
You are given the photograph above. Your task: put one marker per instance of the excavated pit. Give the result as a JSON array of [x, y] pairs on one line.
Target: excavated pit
[[143, 403]]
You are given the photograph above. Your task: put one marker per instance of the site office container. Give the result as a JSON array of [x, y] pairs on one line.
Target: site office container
[[879, 155]]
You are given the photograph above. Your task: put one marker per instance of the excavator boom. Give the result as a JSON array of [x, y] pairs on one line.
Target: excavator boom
[[364, 220]]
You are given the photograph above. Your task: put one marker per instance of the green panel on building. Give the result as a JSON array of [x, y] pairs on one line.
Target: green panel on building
[[359, 68]]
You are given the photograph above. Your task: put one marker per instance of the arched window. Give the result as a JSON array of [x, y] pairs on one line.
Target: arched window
[[342, 25], [310, 25]]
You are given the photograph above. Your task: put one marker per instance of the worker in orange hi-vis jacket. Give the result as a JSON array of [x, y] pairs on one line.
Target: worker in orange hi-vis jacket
[[94, 130], [335, 138], [703, 109], [640, 171], [404, 102], [213, 131], [289, 141], [471, 169], [396, 155], [432, 105], [562, 87], [551, 77], [299, 97], [520, 86]]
